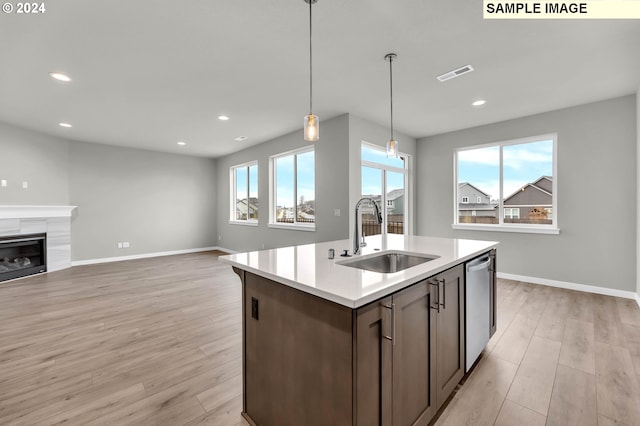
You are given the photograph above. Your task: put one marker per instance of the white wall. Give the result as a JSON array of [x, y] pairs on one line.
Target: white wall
[[597, 193]]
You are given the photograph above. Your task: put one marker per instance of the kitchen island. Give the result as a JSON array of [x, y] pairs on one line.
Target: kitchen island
[[329, 343]]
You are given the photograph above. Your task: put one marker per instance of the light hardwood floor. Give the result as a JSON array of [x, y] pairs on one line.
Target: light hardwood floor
[[158, 342]]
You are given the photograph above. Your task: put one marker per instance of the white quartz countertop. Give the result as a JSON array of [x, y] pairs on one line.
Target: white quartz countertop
[[307, 267]]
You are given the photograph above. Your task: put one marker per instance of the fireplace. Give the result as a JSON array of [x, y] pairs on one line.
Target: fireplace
[[22, 255]]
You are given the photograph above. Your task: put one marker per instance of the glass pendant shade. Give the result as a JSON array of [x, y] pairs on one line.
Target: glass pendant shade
[[392, 149], [311, 128]]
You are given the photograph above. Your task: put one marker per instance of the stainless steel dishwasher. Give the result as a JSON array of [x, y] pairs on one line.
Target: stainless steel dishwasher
[[478, 315]]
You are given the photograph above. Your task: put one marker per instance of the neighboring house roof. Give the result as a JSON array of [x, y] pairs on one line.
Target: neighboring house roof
[[461, 184], [533, 186], [253, 203], [396, 193]]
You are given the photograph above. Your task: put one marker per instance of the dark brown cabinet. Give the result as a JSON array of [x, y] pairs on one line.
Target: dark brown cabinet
[[410, 351], [450, 337], [393, 362]]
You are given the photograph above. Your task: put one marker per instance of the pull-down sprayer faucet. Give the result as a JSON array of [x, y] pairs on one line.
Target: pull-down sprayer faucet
[[356, 236]]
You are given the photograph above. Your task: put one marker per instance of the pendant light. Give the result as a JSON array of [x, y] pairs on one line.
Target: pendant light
[[392, 145], [311, 122]]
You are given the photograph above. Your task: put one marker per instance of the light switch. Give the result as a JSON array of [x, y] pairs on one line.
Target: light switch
[[119, 245], [336, 212], [125, 244], [25, 184], [3, 183]]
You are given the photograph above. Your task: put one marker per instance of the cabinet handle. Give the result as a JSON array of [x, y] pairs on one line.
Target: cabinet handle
[[437, 301], [444, 294], [393, 323]]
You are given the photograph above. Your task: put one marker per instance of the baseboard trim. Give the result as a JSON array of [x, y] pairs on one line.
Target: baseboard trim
[[638, 299], [144, 256], [572, 286]]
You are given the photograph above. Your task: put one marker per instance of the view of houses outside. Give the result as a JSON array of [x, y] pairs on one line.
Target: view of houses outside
[[372, 188], [292, 181], [246, 178], [527, 184]]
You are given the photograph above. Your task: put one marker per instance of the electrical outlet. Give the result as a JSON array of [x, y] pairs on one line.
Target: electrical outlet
[[263, 246], [3, 183], [119, 245], [25, 184], [125, 244], [336, 212], [219, 237]]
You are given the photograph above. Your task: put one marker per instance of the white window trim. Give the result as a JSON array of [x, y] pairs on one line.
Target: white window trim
[[478, 200], [407, 171], [297, 226], [463, 200], [510, 227], [232, 193]]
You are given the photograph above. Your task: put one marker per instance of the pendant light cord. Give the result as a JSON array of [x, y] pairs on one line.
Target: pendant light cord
[[391, 91], [310, 63]]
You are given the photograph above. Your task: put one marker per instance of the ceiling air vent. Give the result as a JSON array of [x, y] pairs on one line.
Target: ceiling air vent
[[455, 73]]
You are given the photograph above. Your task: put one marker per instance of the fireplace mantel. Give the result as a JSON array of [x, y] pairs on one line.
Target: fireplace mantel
[[55, 221], [34, 212]]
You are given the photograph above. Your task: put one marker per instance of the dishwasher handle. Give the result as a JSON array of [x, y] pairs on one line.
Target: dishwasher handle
[[480, 266]]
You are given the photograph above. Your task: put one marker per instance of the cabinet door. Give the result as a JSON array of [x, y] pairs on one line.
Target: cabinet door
[[373, 364], [450, 343], [414, 392], [298, 357]]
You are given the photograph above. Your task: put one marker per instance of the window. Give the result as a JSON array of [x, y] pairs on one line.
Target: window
[[293, 190], [517, 181], [244, 193], [511, 213], [385, 181]]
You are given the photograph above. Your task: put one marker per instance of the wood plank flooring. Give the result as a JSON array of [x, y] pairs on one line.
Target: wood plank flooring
[[559, 357], [158, 342]]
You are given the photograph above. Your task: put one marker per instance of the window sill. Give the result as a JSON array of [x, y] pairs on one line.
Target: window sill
[[550, 230], [293, 226], [244, 222]]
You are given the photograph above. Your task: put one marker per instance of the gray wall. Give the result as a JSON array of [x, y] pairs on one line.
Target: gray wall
[[597, 193], [331, 173], [638, 195], [155, 201], [40, 160]]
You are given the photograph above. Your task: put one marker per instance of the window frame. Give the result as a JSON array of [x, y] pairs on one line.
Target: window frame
[[233, 195], [298, 226], [406, 171], [510, 227]]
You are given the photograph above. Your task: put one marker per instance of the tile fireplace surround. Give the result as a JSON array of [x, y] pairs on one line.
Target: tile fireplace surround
[[55, 221]]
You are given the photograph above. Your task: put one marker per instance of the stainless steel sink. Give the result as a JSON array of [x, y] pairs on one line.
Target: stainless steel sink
[[389, 262]]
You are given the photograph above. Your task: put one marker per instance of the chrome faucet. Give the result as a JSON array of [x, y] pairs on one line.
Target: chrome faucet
[[356, 236]]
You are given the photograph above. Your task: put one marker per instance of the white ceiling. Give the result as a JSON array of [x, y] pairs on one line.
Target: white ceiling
[[148, 73]]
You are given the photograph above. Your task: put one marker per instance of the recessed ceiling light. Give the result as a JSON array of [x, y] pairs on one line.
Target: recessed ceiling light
[[223, 117], [60, 77], [240, 138], [479, 102], [181, 143], [65, 125]]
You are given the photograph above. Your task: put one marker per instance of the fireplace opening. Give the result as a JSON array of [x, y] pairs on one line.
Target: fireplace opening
[[22, 255]]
